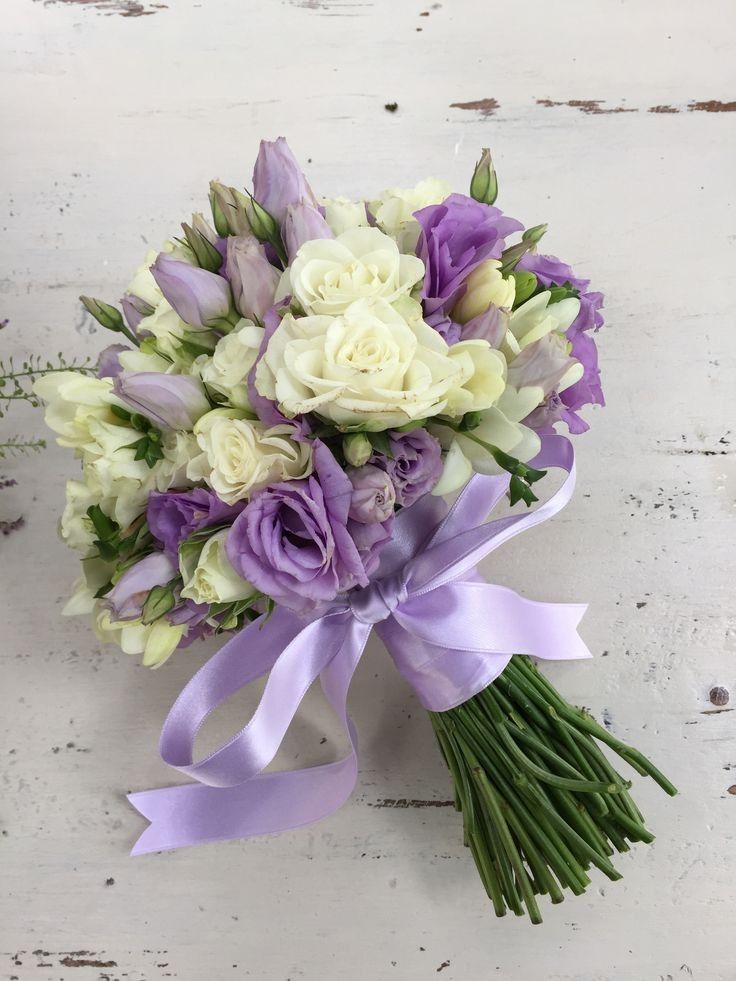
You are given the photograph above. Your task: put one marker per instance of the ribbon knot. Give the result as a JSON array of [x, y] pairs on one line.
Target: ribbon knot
[[449, 633], [379, 599]]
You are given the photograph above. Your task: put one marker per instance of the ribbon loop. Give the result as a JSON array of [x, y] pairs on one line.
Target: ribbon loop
[[450, 635]]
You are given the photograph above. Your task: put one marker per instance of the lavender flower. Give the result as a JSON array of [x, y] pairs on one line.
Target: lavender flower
[[125, 600], [456, 237], [201, 298], [277, 179], [174, 515], [303, 222], [414, 466], [170, 401], [252, 277], [292, 540], [108, 364], [373, 496]]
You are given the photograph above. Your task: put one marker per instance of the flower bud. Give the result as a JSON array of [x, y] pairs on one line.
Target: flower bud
[[206, 254], [169, 401], [484, 287], [373, 496], [263, 225], [104, 314], [303, 222], [253, 279], [534, 234], [229, 210], [127, 597], [201, 298], [484, 183], [357, 449]]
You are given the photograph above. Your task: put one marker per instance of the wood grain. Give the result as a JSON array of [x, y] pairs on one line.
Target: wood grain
[[613, 122]]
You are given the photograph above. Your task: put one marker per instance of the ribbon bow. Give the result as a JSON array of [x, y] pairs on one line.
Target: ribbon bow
[[449, 633]]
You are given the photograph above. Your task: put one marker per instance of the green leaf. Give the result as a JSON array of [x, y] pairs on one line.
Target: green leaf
[[381, 443], [120, 412], [526, 284], [158, 602], [104, 526]]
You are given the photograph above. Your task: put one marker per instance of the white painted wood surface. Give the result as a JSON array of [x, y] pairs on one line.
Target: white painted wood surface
[[114, 116]]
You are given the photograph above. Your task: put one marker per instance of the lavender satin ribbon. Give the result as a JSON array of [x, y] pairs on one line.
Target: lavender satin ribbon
[[449, 633]]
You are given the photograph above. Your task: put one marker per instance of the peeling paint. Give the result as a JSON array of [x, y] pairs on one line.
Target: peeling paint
[[404, 802], [71, 961], [124, 8], [663, 109], [486, 107], [712, 105], [592, 107]]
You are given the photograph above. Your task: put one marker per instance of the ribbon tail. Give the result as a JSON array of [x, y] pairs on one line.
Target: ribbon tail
[[194, 814]]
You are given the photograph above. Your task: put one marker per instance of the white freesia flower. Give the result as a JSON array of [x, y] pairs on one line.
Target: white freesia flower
[[368, 368], [155, 641], [209, 577], [484, 287], [168, 330], [328, 275], [243, 456], [145, 359], [74, 403], [143, 284], [482, 377], [226, 371], [342, 214], [395, 207], [537, 318]]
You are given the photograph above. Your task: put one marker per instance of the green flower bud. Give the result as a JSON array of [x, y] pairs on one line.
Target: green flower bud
[[526, 284], [484, 183], [263, 225], [534, 234], [158, 602], [229, 210], [357, 449], [207, 256], [104, 314]]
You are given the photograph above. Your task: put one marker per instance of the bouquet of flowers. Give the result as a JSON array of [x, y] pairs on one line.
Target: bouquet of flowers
[[303, 384]]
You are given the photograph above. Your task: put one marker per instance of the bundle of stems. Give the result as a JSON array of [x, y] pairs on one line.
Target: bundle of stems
[[541, 803]]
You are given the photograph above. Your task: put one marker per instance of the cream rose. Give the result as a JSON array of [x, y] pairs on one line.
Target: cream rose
[[395, 207], [226, 371], [209, 577], [342, 214], [484, 287], [242, 455], [367, 369], [328, 275]]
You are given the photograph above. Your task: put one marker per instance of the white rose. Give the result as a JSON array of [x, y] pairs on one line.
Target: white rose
[[484, 287], [155, 641], [226, 371], [395, 207], [328, 275], [342, 214], [368, 368], [75, 402], [243, 456], [209, 577]]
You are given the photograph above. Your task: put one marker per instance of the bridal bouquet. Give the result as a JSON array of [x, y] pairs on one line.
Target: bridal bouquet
[[301, 386]]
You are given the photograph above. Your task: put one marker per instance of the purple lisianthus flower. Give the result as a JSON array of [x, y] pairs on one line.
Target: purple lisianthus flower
[[108, 364], [415, 464], [170, 401], [303, 222], [564, 406], [135, 309], [456, 237], [175, 515], [292, 540], [201, 298], [370, 539], [491, 326], [373, 497], [125, 600], [252, 277], [278, 180]]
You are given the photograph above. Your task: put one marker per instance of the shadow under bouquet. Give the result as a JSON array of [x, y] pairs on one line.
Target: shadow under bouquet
[[301, 388]]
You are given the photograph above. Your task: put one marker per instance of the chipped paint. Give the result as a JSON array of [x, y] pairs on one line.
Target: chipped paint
[[663, 109], [486, 107], [712, 105], [592, 107], [405, 802], [124, 8]]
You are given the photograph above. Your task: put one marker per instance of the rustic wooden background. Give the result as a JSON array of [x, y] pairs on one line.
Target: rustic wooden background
[[614, 121]]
